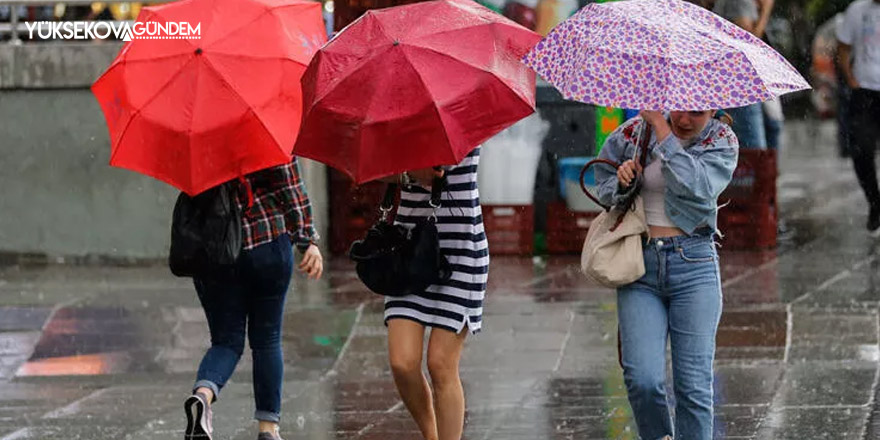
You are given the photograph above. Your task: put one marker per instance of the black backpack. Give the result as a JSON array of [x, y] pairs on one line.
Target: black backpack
[[206, 232], [395, 261]]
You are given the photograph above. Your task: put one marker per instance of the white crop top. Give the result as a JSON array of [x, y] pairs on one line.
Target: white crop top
[[654, 196]]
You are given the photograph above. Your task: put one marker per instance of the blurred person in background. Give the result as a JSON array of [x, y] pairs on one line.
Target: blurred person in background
[[831, 93], [757, 126], [859, 57]]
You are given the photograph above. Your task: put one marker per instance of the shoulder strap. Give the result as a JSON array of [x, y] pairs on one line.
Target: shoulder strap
[[388, 198], [387, 201], [437, 187]]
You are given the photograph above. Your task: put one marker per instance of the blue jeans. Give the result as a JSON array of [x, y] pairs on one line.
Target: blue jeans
[[773, 130], [248, 299], [678, 298], [748, 124]]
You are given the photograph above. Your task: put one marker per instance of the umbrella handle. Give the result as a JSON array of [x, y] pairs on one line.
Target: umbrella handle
[[644, 143]]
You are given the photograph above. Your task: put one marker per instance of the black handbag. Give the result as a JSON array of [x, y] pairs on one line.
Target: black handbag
[[393, 260], [206, 232]]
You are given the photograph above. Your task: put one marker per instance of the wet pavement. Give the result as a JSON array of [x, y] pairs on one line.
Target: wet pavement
[[100, 353]]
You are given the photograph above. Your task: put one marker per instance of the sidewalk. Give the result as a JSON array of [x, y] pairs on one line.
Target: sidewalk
[[797, 355]]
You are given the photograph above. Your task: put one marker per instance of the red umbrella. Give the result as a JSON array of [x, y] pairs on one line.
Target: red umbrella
[[414, 86], [198, 112]]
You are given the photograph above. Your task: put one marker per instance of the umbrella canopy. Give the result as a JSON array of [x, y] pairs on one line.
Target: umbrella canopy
[[197, 112], [660, 55], [414, 86]]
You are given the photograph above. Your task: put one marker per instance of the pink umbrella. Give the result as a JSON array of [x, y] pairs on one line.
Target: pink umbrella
[[660, 55]]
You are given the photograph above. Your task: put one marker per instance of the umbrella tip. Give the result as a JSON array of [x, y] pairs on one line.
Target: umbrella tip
[[199, 51], [396, 43]]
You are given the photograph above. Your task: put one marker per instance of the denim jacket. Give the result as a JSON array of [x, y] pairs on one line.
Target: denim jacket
[[696, 173]]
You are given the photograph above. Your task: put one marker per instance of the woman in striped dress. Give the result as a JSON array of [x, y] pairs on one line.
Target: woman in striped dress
[[452, 309]]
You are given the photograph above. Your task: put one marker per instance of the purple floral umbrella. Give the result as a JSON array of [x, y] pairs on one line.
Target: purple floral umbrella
[[660, 55]]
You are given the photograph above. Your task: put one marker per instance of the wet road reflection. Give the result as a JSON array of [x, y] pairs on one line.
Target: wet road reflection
[[547, 368], [91, 341]]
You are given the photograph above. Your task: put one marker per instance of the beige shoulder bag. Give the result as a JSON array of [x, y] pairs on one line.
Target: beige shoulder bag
[[612, 254]]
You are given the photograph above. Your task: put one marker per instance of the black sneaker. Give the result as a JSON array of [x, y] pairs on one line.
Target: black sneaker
[[874, 222], [198, 418]]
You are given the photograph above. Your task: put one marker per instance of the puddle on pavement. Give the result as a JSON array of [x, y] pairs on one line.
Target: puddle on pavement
[[90, 341]]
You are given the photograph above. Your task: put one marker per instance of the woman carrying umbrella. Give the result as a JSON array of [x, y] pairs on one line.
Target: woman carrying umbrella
[[194, 114], [667, 56], [250, 299], [451, 309], [690, 161], [397, 90]]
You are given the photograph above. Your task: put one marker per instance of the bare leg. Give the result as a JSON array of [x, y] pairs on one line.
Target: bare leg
[[444, 354], [265, 426], [207, 392], [405, 342]]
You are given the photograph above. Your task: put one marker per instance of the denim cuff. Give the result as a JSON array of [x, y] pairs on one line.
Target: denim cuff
[[203, 383], [267, 416], [668, 147]]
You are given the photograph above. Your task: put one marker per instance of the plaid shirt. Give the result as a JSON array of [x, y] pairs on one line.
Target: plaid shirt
[[278, 204]]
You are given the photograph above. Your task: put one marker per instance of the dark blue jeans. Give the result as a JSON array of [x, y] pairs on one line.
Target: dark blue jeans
[[248, 299]]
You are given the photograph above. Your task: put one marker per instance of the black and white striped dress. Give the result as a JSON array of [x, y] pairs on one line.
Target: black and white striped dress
[[457, 302]]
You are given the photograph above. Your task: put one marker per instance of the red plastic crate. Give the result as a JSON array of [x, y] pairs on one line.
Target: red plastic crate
[[749, 220], [510, 229], [749, 226], [567, 229], [754, 178]]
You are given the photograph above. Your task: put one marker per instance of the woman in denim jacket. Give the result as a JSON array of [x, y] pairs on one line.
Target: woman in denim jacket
[[690, 161]]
